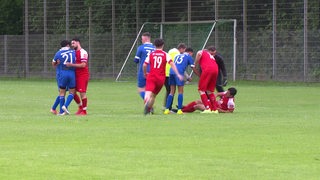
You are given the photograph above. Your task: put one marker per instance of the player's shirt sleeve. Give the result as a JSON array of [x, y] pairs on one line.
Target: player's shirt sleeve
[[56, 57], [231, 104], [137, 57], [191, 62], [168, 58], [83, 56]]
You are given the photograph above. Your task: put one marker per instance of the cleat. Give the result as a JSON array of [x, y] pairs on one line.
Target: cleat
[[146, 109], [179, 111], [174, 111], [64, 108], [53, 111], [207, 111], [167, 111], [152, 110], [215, 112], [79, 111], [82, 113], [61, 114]]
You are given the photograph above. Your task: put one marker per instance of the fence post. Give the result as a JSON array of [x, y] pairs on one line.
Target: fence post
[[26, 39]]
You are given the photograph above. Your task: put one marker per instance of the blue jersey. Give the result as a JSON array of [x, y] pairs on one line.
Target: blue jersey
[[182, 61], [66, 75], [143, 51]]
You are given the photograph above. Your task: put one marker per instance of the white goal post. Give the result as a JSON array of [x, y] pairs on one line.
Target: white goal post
[[159, 29]]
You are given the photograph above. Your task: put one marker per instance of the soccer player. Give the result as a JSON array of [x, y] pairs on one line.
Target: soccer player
[[208, 78], [225, 104], [57, 100], [141, 54], [66, 75], [172, 53], [82, 76], [182, 61], [156, 76]]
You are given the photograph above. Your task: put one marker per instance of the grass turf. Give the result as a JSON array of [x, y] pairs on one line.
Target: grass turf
[[273, 134]]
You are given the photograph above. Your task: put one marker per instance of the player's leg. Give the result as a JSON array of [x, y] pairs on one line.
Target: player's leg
[[170, 99], [167, 86], [210, 91], [141, 85], [62, 93], [57, 101], [202, 87], [55, 105], [180, 85], [82, 89], [71, 87], [76, 97]]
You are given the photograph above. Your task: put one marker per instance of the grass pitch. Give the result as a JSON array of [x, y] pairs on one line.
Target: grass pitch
[[274, 133]]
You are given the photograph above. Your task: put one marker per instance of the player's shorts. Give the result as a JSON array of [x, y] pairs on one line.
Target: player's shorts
[[82, 83], [174, 80], [141, 80], [207, 81], [67, 79], [154, 84]]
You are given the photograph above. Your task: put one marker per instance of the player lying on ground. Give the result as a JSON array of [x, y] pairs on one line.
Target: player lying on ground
[[225, 104]]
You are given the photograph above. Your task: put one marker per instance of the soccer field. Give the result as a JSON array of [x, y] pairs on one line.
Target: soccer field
[[274, 133]]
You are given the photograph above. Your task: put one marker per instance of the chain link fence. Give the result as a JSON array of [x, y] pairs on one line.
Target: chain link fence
[[276, 40]]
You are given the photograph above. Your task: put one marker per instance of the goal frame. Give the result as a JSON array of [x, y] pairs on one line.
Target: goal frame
[[187, 22]]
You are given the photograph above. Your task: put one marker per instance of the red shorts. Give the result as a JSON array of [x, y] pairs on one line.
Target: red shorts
[[207, 81], [82, 83], [154, 84]]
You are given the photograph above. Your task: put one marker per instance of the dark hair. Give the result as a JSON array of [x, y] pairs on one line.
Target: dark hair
[[158, 42], [233, 91], [76, 39], [212, 48], [181, 45], [64, 43], [146, 34], [189, 49]]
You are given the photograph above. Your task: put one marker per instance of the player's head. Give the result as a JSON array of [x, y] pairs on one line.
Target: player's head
[[181, 47], [75, 43], [146, 36], [232, 91], [189, 50], [212, 50], [159, 43], [65, 43]]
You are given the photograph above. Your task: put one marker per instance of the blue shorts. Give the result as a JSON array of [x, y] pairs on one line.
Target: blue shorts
[[174, 80], [67, 79]]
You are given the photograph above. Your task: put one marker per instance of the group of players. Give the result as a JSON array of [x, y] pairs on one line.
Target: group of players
[[154, 62], [72, 74]]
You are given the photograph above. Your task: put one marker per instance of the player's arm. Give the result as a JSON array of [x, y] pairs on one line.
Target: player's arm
[[55, 62], [137, 56], [220, 94], [144, 68], [81, 65], [196, 63]]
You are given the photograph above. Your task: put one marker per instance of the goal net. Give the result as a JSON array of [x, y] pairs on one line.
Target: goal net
[[195, 34]]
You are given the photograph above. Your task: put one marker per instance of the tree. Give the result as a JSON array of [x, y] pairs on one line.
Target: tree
[[11, 17]]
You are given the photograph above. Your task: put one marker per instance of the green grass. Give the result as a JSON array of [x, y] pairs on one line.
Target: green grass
[[274, 133]]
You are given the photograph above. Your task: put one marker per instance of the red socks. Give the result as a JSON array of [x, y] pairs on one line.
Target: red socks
[[189, 107]]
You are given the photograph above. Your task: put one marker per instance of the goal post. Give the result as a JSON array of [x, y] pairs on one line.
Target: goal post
[[195, 34]]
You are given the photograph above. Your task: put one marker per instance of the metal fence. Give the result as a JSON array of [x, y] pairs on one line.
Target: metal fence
[[276, 40]]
